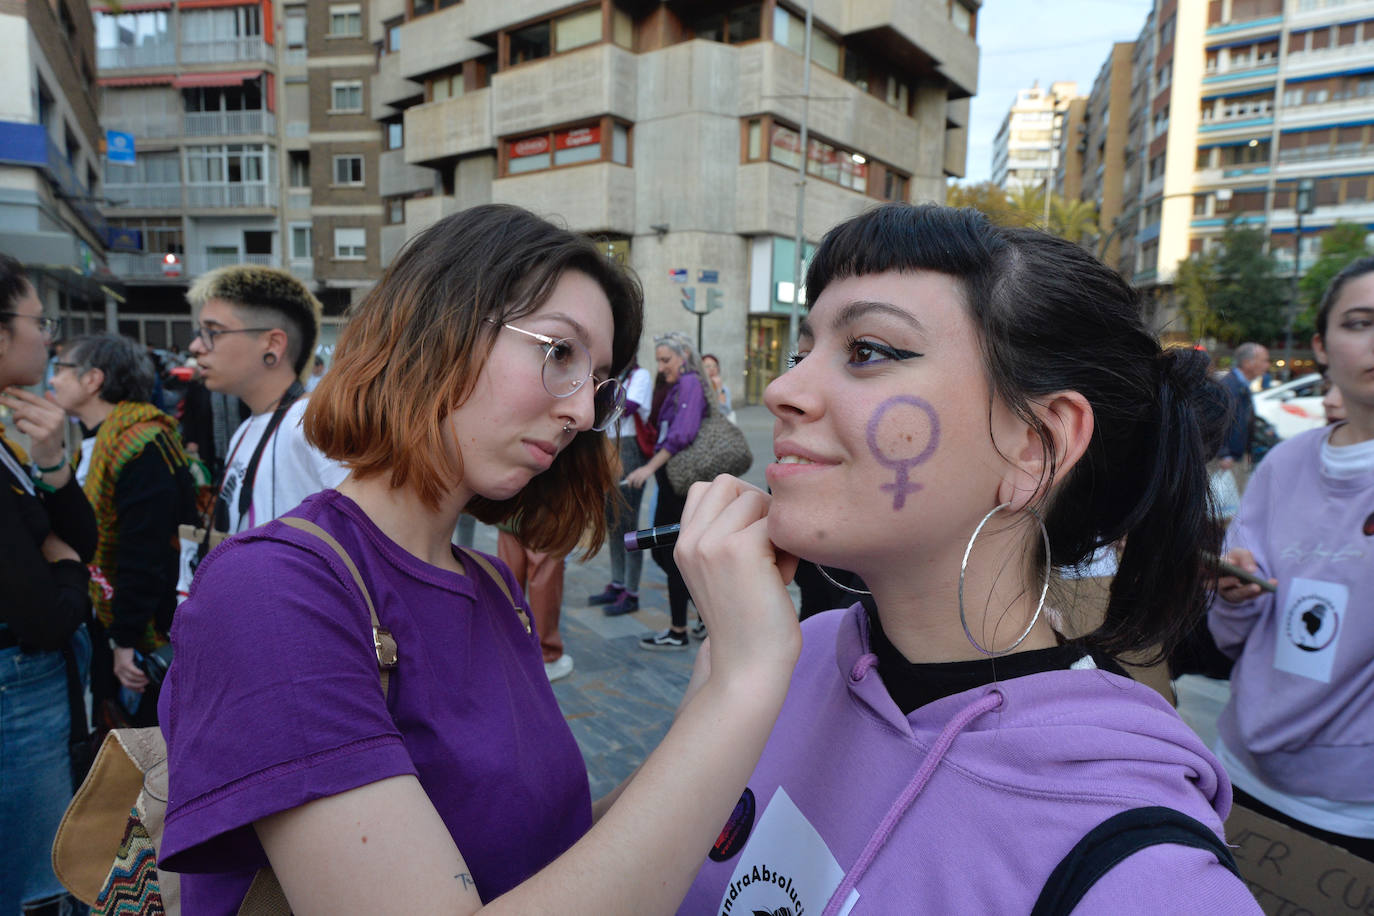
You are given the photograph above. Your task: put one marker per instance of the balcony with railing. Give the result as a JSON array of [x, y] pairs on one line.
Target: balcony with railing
[[1337, 56], [1234, 113], [199, 262], [1293, 158], [142, 266], [231, 194], [226, 50], [228, 123], [145, 196], [1351, 106], [133, 58]]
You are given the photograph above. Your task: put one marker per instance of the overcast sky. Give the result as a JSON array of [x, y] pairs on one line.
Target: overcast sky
[[1022, 41]]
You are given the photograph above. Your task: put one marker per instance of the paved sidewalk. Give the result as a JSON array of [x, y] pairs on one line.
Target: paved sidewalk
[[620, 699]]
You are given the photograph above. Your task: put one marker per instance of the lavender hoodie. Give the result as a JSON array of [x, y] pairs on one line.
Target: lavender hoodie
[[965, 806], [1301, 715]]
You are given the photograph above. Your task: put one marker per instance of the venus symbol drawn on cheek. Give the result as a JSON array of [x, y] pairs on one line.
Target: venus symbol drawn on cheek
[[903, 433]]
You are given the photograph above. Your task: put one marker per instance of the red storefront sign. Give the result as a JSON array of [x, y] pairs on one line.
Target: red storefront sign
[[530, 146], [578, 136]]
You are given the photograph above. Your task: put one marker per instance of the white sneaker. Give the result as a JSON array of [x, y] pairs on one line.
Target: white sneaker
[[559, 668]]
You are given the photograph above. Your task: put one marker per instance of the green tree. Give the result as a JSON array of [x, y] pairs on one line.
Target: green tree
[[1074, 220], [1248, 297], [1341, 244], [1194, 284], [986, 197]]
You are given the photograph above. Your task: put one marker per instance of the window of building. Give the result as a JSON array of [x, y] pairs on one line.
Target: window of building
[[395, 134], [962, 17], [350, 244], [393, 36], [301, 242], [790, 31], [247, 163], [345, 20], [604, 140], [423, 7], [246, 96], [348, 169], [1245, 154], [131, 30], [447, 85], [765, 139], [202, 26], [298, 168], [295, 27], [895, 186], [346, 96], [149, 168], [395, 210], [554, 36], [733, 26]]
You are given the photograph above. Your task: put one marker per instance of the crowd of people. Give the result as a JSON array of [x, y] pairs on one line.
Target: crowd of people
[[972, 411]]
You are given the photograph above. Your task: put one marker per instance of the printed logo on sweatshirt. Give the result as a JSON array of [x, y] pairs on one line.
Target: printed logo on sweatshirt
[[1311, 628], [1368, 528], [736, 830], [785, 869]]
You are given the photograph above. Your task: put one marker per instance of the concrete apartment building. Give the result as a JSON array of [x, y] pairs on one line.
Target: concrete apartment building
[[1106, 129], [1025, 149], [50, 158], [670, 131], [254, 145], [1232, 103], [1071, 145]]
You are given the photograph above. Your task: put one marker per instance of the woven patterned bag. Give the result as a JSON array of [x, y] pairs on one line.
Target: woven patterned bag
[[719, 448]]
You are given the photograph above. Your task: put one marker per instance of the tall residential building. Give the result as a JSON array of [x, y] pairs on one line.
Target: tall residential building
[[1233, 102], [1024, 152], [1071, 145], [254, 144], [1107, 121], [50, 148], [670, 132]]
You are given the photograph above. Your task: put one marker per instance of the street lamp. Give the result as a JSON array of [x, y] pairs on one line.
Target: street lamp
[[1302, 205]]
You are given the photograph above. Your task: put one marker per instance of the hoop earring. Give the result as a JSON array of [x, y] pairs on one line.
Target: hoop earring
[[963, 567], [844, 588], [269, 359]]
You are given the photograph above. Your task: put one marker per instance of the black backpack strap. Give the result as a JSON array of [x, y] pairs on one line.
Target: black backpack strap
[[1112, 841]]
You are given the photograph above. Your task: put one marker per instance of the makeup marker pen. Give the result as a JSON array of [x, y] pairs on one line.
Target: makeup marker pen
[[649, 538]]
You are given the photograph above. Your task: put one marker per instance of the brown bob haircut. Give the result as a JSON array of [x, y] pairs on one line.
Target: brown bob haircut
[[413, 347]]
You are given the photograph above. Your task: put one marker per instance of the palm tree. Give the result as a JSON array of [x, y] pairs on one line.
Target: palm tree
[[1074, 220]]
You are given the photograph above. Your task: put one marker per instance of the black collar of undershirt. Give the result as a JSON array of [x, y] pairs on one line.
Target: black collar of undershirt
[[913, 685]]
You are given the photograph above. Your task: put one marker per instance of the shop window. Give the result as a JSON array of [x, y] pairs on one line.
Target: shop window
[[350, 244]]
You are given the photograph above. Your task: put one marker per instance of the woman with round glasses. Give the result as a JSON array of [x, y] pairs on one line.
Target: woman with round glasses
[[47, 534], [970, 407], [467, 380], [679, 420]]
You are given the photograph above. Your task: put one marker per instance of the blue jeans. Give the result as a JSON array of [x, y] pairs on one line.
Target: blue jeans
[[35, 772]]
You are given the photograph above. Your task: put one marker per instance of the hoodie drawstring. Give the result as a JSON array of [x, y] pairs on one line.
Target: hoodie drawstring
[[986, 703]]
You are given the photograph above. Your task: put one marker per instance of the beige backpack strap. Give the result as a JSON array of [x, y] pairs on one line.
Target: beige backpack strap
[[500, 581], [382, 639], [265, 896]]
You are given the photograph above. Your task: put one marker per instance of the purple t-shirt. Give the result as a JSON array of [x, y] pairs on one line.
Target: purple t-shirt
[[274, 700]]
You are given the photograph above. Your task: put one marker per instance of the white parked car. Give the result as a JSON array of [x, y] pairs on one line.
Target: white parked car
[[1293, 406]]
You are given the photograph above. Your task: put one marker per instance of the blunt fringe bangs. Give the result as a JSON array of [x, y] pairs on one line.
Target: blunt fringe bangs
[[414, 346], [1051, 318]]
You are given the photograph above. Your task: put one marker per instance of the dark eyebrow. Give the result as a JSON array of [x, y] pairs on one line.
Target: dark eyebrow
[[859, 308], [804, 329]]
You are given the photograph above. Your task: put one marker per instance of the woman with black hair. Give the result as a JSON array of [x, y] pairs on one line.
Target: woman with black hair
[[971, 407], [1296, 733], [138, 480], [47, 533]]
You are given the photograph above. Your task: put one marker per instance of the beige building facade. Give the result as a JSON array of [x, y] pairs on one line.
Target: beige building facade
[[670, 132]]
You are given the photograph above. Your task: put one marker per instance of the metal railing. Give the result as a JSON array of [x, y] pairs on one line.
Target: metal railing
[[231, 195], [229, 123], [149, 55], [145, 196], [225, 50], [202, 262]]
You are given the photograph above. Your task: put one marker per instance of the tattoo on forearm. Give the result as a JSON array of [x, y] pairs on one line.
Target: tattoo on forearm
[[466, 879]]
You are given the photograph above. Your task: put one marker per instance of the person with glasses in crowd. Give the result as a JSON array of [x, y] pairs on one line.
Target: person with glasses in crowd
[[257, 332], [476, 376], [137, 478], [47, 535], [679, 421]]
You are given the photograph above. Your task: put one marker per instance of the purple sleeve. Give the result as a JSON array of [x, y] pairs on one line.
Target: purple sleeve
[[273, 700], [1231, 623], [689, 409]]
